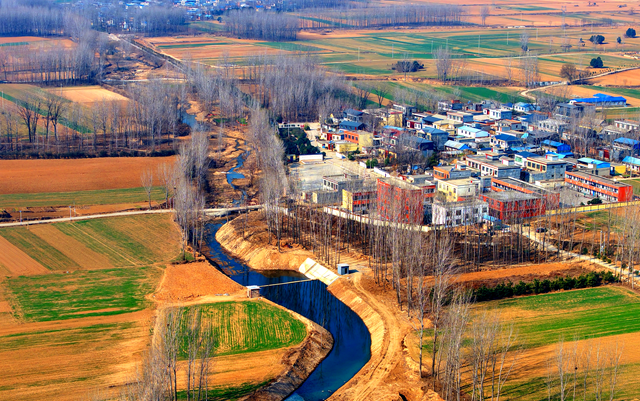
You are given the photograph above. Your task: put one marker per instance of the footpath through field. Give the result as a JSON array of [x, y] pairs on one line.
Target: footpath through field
[[569, 255], [208, 212]]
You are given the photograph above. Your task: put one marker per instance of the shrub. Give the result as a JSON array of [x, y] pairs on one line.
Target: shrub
[[596, 62], [584, 251]]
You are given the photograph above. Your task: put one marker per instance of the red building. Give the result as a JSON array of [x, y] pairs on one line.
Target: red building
[[552, 199], [512, 205], [351, 136], [600, 187], [399, 201]]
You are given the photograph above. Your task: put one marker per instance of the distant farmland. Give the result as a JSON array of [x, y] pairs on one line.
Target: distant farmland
[[596, 317]]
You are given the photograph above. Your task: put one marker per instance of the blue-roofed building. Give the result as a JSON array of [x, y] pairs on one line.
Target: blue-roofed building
[[627, 143], [623, 147], [470, 132], [455, 145], [520, 158], [601, 99], [555, 146], [438, 136], [505, 141], [352, 115], [351, 125], [521, 107], [632, 163]]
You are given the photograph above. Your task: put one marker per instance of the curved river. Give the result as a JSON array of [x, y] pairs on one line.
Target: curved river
[[352, 341]]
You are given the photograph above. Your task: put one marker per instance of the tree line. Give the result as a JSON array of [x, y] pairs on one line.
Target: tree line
[[271, 26], [362, 17]]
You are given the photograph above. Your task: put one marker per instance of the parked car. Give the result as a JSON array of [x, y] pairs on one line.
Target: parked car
[[541, 230]]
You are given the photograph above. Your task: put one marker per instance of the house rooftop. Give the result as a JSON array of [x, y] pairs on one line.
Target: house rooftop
[[627, 141], [353, 112], [598, 178], [510, 196]]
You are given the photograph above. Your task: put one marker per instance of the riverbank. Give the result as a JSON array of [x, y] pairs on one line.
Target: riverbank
[[285, 369], [391, 373]]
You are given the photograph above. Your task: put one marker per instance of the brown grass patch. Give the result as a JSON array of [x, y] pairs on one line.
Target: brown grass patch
[[37, 176], [14, 262], [71, 248]]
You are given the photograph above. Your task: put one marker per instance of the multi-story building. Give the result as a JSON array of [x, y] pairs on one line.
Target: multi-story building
[[359, 201], [492, 168], [459, 189], [544, 168], [551, 198], [446, 172], [512, 205], [458, 213], [599, 187], [400, 201], [339, 182]]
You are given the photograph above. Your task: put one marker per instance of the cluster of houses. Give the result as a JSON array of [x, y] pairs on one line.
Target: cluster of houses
[[495, 163]]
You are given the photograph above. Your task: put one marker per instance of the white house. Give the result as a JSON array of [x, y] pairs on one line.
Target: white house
[[458, 213], [470, 132]]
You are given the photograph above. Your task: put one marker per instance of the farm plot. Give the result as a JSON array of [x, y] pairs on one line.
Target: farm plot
[[61, 175], [99, 243], [241, 327], [130, 240], [79, 199], [87, 95], [596, 317], [38, 249], [65, 360], [64, 296]]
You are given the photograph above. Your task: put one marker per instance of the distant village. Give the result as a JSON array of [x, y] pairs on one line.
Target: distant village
[[475, 163]]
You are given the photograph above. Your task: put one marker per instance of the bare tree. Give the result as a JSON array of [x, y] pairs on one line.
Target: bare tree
[[147, 183], [29, 112], [443, 63], [485, 11]]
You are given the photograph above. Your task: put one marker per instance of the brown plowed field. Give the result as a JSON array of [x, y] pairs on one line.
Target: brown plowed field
[[71, 248], [37, 176], [14, 262], [63, 360], [87, 95], [626, 78], [193, 280]]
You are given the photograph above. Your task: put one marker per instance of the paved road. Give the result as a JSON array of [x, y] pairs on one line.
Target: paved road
[[208, 212]]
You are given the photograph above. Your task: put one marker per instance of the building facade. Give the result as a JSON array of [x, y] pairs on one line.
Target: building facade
[[599, 187]]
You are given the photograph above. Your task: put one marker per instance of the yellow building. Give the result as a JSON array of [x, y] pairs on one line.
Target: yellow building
[[457, 189]]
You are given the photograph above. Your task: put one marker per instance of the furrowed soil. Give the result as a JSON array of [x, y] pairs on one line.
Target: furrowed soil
[[88, 95], [14, 262], [71, 248], [60, 175]]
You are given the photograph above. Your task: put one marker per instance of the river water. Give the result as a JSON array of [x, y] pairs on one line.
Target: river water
[[352, 341]]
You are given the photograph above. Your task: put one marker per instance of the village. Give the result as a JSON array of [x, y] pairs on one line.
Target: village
[[475, 163]]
